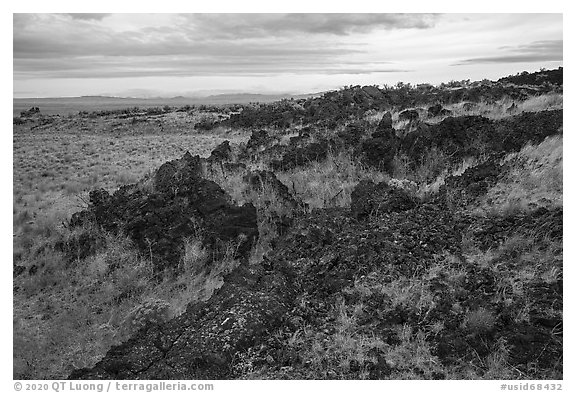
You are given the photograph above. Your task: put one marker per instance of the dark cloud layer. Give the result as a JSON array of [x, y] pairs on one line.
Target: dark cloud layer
[[262, 25], [77, 45], [537, 51], [81, 16]]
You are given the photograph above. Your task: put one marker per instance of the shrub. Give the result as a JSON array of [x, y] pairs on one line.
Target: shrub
[[194, 257], [151, 312], [479, 321], [329, 183]]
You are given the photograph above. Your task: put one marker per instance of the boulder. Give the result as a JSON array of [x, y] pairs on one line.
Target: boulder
[[222, 152], [171, 175], [369, 198], [373, 92], [438, 110], [379, 150], [385, 123], [316, 151], [434, 110], [258, 140], [409, 114]]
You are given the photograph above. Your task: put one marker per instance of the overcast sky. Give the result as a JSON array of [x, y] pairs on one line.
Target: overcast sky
[[185, 54]]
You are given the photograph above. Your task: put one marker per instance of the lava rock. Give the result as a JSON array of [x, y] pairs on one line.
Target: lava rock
[[409, 115], [379, 150], [181, 205], [385, 123], [370, 198], [202, 342], [434, 110], [313, 152], [258, 140], [222, 152]]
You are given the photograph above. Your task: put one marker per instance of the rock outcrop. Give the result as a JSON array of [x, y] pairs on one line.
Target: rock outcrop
[[174, 204]]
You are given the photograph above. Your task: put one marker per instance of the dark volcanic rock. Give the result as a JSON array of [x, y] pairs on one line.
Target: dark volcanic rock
[[202, 342], [319, 257], [30, 112], [539, 225], [316, 151], [328, 249], [473, 183], [319, 266], [369, 198], [438, 110], [409, 114], [18, 270], [459, 137], [534, 127], [534, 343], [181, 205], [301, 139], [435, 110], [257, 141], [222, 152], [394, 264], [373, 92], [385, 123], [173, 173], [379, 150], [350, 136]]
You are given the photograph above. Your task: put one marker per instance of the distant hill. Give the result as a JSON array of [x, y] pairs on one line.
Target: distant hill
[[66, 105]]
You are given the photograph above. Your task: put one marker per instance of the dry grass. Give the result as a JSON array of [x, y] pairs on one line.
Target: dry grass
[[329, 183], [54, 171], [535, 179], [68, 316], [429, 175], [505, 107], [500, 109], [520, 262]]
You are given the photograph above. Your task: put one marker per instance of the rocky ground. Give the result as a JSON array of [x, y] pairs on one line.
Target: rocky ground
[[407, 281]]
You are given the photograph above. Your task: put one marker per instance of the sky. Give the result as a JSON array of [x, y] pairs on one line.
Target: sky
[[149, 55]]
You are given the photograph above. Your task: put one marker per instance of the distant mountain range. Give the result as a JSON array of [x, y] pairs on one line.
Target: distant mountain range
[[65, 105]]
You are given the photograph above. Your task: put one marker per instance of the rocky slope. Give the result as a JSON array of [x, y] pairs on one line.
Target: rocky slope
[[327, 263]]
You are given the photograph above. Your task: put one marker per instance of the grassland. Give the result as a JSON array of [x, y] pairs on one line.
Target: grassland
[[53, 171]]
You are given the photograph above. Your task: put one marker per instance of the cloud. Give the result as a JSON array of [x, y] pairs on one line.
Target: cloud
[[64, 46], [120, 67], [259, 25], [49, 36], [91, 17], [537, 51], [52, 37]]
